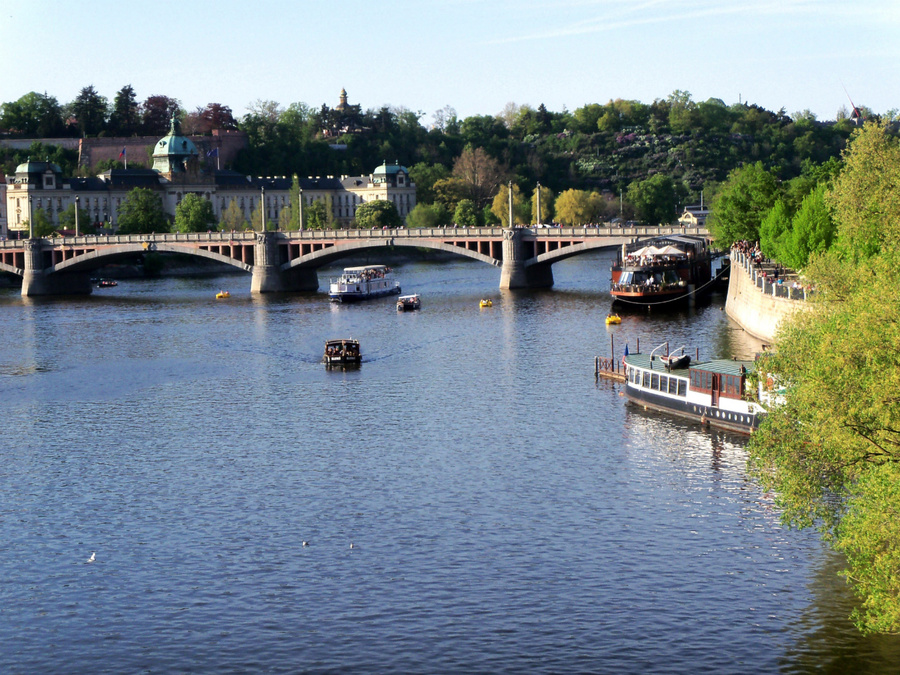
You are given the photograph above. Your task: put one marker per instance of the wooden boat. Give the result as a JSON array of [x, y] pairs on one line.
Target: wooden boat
[[407, 303], [613, 319], [363, 283], [344, 352], [711, 392], [662, 271]]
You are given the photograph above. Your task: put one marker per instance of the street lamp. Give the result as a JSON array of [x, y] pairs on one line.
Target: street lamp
[[30, 218], [77, 201], [300, 207], [262, 208]]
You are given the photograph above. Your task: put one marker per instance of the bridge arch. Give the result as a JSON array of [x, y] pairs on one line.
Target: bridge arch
[[11, 270], [331, 254], [577, 249], [95, 259]]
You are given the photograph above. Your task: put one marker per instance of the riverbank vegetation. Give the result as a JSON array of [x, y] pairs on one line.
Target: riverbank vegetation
[[831, 453]]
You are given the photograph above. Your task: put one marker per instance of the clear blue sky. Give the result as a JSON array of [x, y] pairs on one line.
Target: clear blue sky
[[474, 55]]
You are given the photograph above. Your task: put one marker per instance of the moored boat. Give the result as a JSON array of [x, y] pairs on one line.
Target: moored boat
[[343, 352], [662, 271], [710, 392], [407, 303], [363, 283]]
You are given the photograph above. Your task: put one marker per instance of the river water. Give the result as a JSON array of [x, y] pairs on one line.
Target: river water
[[508, 513]]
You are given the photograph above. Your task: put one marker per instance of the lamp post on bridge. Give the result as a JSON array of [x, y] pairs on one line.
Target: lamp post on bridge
[[262, 207], [77, 202], [538, 204], [30, 217]]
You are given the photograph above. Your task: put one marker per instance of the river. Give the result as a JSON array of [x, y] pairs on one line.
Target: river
[[508, 513]]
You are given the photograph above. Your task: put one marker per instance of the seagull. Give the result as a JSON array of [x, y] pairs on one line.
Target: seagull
[[306, 543], [351, 544], [93, 557]]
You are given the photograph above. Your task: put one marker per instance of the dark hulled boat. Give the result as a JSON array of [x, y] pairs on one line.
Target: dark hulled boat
[[662, 271]]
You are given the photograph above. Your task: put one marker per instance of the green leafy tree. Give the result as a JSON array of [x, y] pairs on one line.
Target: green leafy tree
[[428, 215], [489, 218], [315, 215], [125, 118], [500, 206], [775, 230], [450, 192], [90, 109], [294, 213], [546, 215], [67, 220], [425, 176], [578, 207], [233, 218], [654, 199], [741, 203], [467, 214], [831, 452], [256, 217], [378, 213], [33, 114], [812, 230], [194, 214], [43, 226], [142, 213]]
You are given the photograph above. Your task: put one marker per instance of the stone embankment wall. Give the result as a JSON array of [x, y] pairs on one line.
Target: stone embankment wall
[[758, 305]]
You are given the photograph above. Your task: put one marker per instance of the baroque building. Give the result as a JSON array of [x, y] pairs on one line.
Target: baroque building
[[179, 169]]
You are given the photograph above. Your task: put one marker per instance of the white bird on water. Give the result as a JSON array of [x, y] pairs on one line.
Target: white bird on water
[[351, 544], [306, 543], [93, 557]]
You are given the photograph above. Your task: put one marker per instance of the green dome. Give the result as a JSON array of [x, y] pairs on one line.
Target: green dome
[[174, 144], [38, 167], [390, 169]]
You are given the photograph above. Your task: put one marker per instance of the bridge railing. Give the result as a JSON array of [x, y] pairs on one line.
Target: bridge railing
[[402, 233]]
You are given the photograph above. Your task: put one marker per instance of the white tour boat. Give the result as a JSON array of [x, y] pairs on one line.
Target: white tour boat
[[710, 392], [362, 283]]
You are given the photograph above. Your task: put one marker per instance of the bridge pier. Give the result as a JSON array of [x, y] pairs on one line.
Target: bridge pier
[[514, 272], [36, 283], [269, 277]]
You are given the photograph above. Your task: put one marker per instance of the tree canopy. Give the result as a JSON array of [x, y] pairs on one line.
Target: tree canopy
[[194, 214], [378, 213], [832, 451], [142, 213]]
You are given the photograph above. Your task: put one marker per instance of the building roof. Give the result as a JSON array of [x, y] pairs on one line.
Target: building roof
[[390, 169], [38, 167], [174, 144]]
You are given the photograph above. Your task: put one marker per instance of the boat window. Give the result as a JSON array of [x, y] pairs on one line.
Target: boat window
[[682, 387], [646, 380], [654, 381], [663, 383], [673, 385]]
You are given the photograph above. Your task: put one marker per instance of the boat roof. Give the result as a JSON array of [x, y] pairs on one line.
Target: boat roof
[[409, 297], [349, 341], [721, 366], [363, 268]]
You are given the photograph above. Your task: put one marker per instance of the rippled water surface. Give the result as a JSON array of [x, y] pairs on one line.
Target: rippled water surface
[[508, 513]]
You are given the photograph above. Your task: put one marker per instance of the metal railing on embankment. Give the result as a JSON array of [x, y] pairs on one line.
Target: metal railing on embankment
[[759, 273]]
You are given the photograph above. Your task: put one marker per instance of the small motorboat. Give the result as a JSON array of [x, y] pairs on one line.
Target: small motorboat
[[486, 303], [222, 294], [107, 283], [613, 319], [677, 359], [342, 353], [407, 303]]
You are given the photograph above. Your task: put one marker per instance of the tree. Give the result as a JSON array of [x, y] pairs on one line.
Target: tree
[[654, 199], [67, 220], [428, 215], [286, 218], [831, 452], [158, 113], [233, 218], [90, 111], [774, 230], [812, 230], [450, 192], [467, 214], [125, 119], [378, 214], [481, 174], [500, 206], [315, 216], [546, 215], [142, 213], [295, 212], [194, 214], [741, 203], [425, 176], [34, 114], [578, 207], [43, 226]]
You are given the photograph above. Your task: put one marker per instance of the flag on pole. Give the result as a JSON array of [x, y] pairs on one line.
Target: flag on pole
[[213, 153], [122, 154]]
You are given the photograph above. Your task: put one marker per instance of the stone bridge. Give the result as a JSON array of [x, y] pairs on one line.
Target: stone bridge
[[287, 261]]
